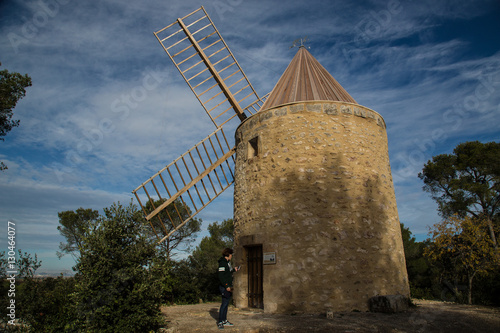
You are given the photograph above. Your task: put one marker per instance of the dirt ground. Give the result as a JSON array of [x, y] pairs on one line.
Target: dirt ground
[[427, 316]]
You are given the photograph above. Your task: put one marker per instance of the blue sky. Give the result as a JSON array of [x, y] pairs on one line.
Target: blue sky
[[107, 108]]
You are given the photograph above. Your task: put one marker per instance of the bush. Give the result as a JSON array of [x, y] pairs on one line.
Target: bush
[[47, 305], [115, 290]]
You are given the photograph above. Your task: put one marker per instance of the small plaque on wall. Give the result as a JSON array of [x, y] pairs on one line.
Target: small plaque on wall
[[269, 258]]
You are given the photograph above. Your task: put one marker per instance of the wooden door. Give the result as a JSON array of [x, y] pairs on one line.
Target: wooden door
[[254, 264]]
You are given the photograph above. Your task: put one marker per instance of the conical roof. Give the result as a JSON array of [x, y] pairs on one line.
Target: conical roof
[[306, 80]]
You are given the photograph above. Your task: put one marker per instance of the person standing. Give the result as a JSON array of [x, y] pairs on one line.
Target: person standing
[[225, 273]]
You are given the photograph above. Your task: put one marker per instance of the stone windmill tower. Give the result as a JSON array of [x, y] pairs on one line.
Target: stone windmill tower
[[316, 222], [315, 210]]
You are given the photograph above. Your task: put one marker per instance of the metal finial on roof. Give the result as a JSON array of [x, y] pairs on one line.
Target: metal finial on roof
[[300, 41]]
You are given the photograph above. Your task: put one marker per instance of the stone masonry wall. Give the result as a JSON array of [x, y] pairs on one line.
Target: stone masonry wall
[[318, 192]]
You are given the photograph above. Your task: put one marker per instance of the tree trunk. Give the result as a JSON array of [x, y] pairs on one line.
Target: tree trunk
[[492, 234], [469, 292]]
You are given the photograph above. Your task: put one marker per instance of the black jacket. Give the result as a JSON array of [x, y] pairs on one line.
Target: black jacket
[[225, 273]]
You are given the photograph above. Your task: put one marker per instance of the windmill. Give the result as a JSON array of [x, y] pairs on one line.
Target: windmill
[[316, 226], [205, 171]]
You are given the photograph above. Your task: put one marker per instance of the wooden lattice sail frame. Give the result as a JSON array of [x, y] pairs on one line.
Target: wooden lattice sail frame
[[201, 174], [208, 66]]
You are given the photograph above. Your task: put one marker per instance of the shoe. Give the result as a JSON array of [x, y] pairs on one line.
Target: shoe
[[226, 323], [220, 325]]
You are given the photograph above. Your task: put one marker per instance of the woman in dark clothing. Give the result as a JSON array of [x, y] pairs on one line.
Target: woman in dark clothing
[[225, 273]]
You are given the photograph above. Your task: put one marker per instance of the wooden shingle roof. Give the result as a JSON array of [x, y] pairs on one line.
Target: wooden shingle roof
[[306, 80]]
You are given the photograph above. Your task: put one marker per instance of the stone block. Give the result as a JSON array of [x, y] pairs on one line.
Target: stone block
[[296, 108], [265, 116], [313, 107], [389, 303], [280, 112], [346, 109], [330, 108]]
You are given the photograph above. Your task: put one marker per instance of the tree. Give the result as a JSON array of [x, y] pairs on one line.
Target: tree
[[26, 265], [467, 183], [181, 239], [75, 227], [462, 246], [12, 89], [204, 258], [417, 266], [46, 305], [23, 295], [115, 288]]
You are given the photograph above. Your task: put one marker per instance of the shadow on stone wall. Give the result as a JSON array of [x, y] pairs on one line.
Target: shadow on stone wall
[[343, 226]]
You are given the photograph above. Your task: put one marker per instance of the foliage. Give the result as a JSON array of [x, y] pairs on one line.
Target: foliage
[[418, 267], [186, 289], [461, 246], [26, 266], [122, 276], [195, 278], [487, 289], [3, 265], [467, 182], [12, 89], [75, 227], [115, 290], [173, 214], [161, 273], [204, 258], [46, 305]]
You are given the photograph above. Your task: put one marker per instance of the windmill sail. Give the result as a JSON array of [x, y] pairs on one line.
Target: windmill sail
[[201, 174], [204, 60], [196, 178], [193, 180]]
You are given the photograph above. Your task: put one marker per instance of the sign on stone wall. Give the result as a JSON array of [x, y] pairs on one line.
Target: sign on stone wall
[[269, 258]]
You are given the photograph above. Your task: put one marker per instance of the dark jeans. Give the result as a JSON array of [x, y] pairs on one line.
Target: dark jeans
[[226, 297]]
